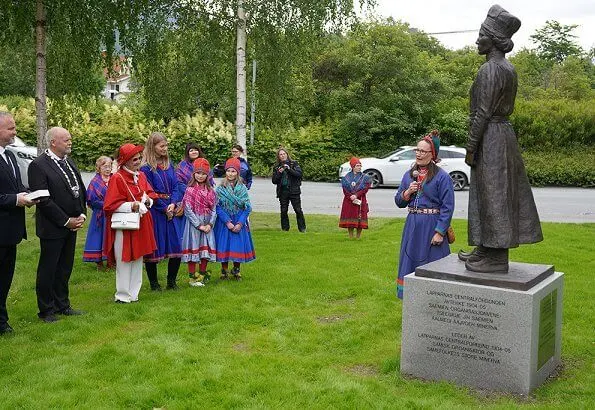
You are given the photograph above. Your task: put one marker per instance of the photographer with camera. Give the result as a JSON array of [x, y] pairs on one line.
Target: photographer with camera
[[287, 175]]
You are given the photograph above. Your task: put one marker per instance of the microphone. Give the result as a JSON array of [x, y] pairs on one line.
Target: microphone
[[415, 173]]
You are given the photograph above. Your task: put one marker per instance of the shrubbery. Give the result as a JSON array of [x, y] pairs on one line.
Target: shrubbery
[[558, 137]]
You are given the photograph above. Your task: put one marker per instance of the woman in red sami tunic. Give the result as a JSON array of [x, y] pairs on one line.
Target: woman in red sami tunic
[[129, 191]]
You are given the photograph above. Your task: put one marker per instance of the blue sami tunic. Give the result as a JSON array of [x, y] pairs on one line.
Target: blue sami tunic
[[164, 183], [93, 251], [231, 246], [416, 248]]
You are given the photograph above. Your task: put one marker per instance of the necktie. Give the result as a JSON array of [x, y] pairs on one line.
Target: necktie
[[9, 162]]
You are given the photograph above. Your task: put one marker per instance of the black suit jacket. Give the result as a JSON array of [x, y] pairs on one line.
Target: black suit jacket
[[52, 213], [12, 217]]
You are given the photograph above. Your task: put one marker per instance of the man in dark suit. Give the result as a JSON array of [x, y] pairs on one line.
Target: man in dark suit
[[58, 218], [12, 213]]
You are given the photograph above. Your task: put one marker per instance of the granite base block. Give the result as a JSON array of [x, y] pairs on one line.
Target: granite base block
[[482, 336]]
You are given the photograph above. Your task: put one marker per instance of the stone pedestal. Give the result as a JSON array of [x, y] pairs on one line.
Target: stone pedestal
[[479, 335]]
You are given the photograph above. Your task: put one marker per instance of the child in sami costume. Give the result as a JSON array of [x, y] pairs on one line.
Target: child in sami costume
[[198, 238], [232, 233]]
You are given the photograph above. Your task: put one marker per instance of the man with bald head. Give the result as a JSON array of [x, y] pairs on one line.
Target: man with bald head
[[57, 220], [12, 214]]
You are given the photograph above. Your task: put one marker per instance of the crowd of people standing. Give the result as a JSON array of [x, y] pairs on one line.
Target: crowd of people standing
[[145, 209]]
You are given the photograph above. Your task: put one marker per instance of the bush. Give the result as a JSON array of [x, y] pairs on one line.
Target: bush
[[99, 128], [561, 168], [555, 123], [312, 146], [553, 131]]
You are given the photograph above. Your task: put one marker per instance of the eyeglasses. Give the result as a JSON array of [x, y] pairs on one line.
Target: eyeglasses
[[421, 151]]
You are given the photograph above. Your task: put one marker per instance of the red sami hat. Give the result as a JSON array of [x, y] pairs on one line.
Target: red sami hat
[[201, 164], [233, 163], [354, 161], [128, 151]]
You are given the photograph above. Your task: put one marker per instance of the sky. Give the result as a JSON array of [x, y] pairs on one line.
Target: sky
[[433, 16]]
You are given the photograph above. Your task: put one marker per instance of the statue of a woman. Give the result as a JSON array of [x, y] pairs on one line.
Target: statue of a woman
[[502, 212]]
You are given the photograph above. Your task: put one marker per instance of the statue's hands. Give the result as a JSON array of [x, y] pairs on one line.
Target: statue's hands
[[470, 158]]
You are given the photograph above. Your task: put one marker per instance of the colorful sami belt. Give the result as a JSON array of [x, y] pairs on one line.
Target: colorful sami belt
[[427, 211], [163, 196]]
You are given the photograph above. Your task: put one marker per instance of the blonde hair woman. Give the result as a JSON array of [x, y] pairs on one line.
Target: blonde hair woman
[[96, 191], [161, 174]]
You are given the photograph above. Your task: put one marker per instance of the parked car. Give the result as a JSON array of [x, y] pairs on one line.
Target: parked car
[[25, 154], [389, 170]]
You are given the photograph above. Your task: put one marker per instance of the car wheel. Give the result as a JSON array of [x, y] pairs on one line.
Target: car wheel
[[459, 180], [375, 177]]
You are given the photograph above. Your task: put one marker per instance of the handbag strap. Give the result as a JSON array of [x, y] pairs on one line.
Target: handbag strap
[[131, 194]]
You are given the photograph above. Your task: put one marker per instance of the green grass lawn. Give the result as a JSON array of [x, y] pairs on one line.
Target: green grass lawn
[[315, 323]]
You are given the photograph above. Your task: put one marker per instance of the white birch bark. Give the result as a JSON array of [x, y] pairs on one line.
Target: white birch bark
[[241, 77], [40, 76]]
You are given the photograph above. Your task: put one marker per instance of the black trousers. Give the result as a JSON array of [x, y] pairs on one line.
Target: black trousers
[[173, 265], [8, 257], [296, 202], [53, 273]]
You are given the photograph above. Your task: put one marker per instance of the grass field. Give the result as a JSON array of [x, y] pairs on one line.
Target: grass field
[[314, 324]]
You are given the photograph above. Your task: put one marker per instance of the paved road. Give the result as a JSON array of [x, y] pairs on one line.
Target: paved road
[[553, 204]]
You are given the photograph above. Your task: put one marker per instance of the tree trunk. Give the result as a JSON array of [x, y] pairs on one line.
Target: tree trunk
[[40, 76], [241, 77]]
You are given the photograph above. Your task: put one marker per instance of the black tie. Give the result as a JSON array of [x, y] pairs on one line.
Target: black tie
[[10, 164]]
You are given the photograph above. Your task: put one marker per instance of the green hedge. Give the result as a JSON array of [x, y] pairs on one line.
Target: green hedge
[[99, 128], [561, 167]]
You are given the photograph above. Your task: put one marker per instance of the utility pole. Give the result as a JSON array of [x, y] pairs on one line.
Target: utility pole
[[253, 102]]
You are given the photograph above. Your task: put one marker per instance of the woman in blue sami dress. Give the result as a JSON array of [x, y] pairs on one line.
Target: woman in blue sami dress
[[161, 175], [427, 191], [232, 232], [93, 251]]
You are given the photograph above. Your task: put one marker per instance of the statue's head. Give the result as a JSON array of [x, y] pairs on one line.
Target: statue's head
[[499, 26]]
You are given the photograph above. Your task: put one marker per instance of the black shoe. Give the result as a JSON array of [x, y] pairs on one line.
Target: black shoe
[[236, 273], [172, 286], [155, 286], [493, 261], [48, 319], [303, 230], [479, 252], [224, 275], [72, 312], [6, 329]]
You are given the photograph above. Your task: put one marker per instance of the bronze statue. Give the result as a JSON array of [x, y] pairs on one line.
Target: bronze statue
[[502, 212]]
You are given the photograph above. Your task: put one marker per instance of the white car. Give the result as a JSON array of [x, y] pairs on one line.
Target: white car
[[25, 154], [389, 170]]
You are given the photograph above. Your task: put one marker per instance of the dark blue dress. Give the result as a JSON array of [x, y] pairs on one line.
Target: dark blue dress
[[169, 240], [93, 251], [416, 248], [245, 172]]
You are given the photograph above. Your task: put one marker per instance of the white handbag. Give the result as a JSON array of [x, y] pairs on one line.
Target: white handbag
[[126, 221]]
